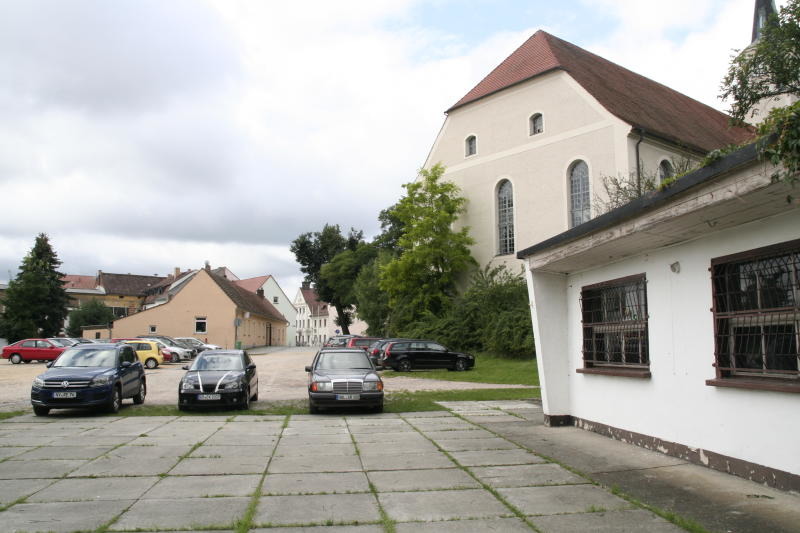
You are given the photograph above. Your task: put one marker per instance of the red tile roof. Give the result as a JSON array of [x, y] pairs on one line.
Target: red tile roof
[[74, 281], [639, 101], [317, 306], [127, 284], [252, 284], [249, 301]]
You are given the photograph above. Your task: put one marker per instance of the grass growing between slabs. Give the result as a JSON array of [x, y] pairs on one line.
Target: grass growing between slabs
[[488, 369]]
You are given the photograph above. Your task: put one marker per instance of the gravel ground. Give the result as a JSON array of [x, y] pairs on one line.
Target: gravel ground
[[281, 376]]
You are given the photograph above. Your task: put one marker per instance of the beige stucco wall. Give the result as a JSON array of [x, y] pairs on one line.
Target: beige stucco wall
[[201, 297], [576, 127]]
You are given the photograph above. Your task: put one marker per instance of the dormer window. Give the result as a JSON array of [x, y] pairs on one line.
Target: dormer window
[[536, 124], [470, 146], [665, 171]]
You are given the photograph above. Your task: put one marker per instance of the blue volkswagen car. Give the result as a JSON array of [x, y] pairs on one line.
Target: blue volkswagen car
[[90, 375]]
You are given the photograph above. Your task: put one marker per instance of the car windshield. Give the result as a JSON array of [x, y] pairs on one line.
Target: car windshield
[[217, 362], [87, 357], [61, 342], [343, 361]]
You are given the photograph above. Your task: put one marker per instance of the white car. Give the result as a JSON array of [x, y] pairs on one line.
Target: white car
[[198, 344]]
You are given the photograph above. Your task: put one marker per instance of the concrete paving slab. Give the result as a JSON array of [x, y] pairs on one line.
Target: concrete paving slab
[[440, 424], [318, 430], [396, 429], [386, 420], [304, 464], [491, 418], [315, 483], [190, 513], [234, 439], [427, 414], [316, 509], [27, 440], [475, 433], [201, 419], [442, 505], [632, 521], [259, 418], [14, 451], [511, 405], [409, 461], [311, 424], [65, 452], [175, 487], [62, 516], [463, 445], [504, 525], [301, 440], [220, 465], [13, 489], [38, 468], [374, 528], [396, 438], [254, 428], [95, 489], [496, 457], [557, 499], [416, 480], [284, 450], [526, 475], [124, 466], [188, 440], [146, 452], [421, 445], [228, 450]]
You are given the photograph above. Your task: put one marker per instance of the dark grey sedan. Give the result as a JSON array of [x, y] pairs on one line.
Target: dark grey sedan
[[221, 378], [343, 377]]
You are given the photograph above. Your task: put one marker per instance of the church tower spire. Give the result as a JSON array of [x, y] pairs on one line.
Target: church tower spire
[[761, 14]]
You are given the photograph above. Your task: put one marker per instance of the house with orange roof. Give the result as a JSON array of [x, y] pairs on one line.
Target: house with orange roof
[[530, 144]]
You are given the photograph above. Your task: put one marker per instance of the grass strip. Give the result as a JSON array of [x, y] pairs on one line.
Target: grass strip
[[488, 369]]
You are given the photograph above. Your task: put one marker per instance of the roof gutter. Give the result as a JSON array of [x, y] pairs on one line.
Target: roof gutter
[[639, 163]]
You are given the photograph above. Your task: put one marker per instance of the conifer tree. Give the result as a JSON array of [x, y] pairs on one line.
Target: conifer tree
[[36, 300]]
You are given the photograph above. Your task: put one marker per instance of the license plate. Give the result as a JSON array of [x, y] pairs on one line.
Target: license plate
[[348, 396], [71, 394], [209, 396]]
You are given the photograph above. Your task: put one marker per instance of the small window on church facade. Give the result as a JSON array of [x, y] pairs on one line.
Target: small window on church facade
[[505, 218], [536, 124], [665, 171], [579, 208], [470, 146]]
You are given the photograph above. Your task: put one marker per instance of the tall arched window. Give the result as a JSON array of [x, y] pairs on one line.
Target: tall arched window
[[470, 146], [579, 209], [536, 124], [665, 171], [505, 218]]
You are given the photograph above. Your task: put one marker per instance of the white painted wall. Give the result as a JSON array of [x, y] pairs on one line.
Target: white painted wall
[[675, 404], [275, 295]]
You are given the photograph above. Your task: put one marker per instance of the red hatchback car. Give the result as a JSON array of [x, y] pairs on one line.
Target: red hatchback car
[[28, 350]]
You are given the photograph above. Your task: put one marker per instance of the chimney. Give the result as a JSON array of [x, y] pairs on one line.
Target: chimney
[[208, 266], [306, 284], [260, 292], [177, 272]]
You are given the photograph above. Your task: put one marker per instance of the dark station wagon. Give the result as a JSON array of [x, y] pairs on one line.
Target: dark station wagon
[[405, 355]]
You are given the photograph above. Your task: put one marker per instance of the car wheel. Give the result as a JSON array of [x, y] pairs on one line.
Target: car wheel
[[139, 398], [116, 401], [150, 363], [461, 364], [245, 405], [404, 366], [379, 408], [16, 358], [38, 410], [27, 361], [313, 409], [255, 396]]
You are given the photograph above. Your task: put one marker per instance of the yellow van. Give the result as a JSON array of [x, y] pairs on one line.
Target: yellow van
[[148, 352]]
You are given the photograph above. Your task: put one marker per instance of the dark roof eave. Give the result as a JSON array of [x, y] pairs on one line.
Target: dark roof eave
[[649, 201], [501, 89]]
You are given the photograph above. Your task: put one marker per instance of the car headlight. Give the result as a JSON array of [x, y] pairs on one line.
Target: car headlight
[[101, 381], [38, 383], [188, 383], [371, 386], [322, 386], [231, 385]]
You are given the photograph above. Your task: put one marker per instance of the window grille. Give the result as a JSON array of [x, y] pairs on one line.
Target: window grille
[[505, 218], [536, 124], [757, 313], [579, 193], [470, 146], [614, 317]]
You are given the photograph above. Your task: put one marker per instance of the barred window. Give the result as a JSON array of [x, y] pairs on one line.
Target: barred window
[[579, 209], [756, 310], [536, 124], [470, 146], [505, 218], [614, 317]]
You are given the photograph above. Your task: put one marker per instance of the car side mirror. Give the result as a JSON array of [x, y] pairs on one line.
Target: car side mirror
[[49, 364], [185, 367], [251, 366], [126, 364], [308, 369]]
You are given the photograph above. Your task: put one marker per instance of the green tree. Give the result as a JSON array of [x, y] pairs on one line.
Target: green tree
[[92, 313], [36, 300], [423, 277], [313, 251], [373, 303]]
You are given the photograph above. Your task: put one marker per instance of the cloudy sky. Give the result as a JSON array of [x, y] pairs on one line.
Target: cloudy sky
[[142, 135]]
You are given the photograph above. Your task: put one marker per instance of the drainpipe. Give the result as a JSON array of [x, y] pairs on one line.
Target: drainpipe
[[638, 163]]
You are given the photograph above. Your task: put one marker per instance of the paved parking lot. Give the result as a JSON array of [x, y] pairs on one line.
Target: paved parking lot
[[416, 472]]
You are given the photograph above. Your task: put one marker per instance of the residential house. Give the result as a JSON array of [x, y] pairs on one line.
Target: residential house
[[123, 293], [316, 319], [530, 144], [272, 291], [161, 292], [211, 307], [673, 322]]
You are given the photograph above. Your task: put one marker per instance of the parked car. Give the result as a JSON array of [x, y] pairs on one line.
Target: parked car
[[361, 342], [406, 355], [28, 350], [337, 341], [225, 378], [90, 375], [63, 341], [173, 345], [148, 352], [343, 377], [198, 344]]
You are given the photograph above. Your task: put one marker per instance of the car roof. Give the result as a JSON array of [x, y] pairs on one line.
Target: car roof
[[222, 352], [96, 345]]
